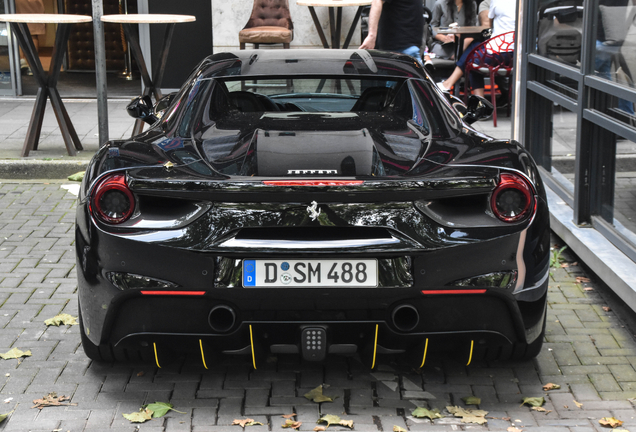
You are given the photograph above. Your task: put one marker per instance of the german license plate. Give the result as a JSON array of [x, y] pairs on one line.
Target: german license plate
[[310, 273]]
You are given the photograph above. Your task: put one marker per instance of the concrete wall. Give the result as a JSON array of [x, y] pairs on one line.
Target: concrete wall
[[229, 17]]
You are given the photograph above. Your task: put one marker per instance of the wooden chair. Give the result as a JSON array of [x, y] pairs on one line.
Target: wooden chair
[[270, 23], [493, 58]]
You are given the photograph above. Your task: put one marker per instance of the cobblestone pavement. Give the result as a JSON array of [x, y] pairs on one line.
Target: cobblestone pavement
[[589, 352]]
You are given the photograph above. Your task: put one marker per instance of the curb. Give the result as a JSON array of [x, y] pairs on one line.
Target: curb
[[40, 169]]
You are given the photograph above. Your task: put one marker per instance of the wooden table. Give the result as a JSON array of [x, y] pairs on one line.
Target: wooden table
[[47, 82], [463, 33], [335, 18], [152, 84]]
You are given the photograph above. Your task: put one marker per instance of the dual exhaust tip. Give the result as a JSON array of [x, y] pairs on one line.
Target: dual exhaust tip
[[404, 317]]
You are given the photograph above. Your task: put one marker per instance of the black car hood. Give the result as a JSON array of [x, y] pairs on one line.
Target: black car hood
[[314, 144]]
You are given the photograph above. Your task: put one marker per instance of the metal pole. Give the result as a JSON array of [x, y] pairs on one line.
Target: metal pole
[[100, 71], [519, 72]]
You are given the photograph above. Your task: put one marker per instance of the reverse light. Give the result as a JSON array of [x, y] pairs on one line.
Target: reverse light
[[513, 198], [112, 201]]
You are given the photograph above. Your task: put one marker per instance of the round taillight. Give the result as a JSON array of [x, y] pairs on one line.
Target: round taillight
[[112, 201], [513, 199]]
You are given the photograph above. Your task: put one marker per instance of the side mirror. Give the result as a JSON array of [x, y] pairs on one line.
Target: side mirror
[[162, 105], [477, 108], [141, 108], [458, 104]]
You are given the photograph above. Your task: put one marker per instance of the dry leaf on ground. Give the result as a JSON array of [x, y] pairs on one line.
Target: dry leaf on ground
[[607, 308], [582, 279], [471, 400], [293, 424], [468, 415], [288, 416], [316, 395], [142, 416], [514, 429], [335, 420], [588, 289], [610, 422], [246, 422], [320, 428], [533, 401], [541, 409], [3, 417], [421, 412], [15, 353], [551, 386], [59, 319], [52, 399], [398, 429], [578, 404]]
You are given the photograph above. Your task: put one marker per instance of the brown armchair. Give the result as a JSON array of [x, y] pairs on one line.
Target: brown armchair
[[270, 23]]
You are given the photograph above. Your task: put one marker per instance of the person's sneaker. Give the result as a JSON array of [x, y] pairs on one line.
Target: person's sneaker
[[441, 87]]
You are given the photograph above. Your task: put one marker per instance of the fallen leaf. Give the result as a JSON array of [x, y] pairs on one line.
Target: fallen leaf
[[471, 400], [578, 404], [565, 265], [320, 428], [140, 374], [582, 279], [607, 308], [7, 400], [588, 289], [246, 422], [15, 353], [541, 409], [287, 416], [52, 399], [65, 319], [3, 417], [610, 422], [160, 409], [78, 176], [289, 423], [565, 406], [421, 412], [142, 416], [574, 264], [398, 429], [514, 429], [316, 395], [468, 415], [533, 401], [335, 420], [551, 386]]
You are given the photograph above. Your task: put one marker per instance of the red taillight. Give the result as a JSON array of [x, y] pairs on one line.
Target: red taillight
[[112, 200], [513, 198], [313, 182]]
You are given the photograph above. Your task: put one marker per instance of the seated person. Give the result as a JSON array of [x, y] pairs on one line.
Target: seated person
[[446, 12], [503, 15]]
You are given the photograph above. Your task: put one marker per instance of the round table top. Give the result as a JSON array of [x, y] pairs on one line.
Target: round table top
[[461, 30], [148, 18], [333, 3], [45, 18]]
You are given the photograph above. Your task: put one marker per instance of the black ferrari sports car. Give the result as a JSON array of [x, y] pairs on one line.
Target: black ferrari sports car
[[311, 202]]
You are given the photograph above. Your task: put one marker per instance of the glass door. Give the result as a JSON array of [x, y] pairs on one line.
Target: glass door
[[7, 56]]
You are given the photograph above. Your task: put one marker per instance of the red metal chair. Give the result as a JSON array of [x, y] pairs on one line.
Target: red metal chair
[[493, 58]]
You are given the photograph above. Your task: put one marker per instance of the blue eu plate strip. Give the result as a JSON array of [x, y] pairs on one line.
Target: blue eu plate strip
[[249, 273]]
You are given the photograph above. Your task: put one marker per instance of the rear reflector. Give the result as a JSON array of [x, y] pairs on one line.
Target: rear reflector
[[174, 293], [472, 291], [313, 182]]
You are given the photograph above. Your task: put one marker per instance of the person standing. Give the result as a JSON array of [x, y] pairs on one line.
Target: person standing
[[396, 25]]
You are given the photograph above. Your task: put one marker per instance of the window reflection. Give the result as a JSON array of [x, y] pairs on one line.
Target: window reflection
[[615, 57], [560, 30]]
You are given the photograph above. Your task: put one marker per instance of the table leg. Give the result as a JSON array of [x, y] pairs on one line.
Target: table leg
[[160, 66], [332, 27], [321, 34], [338, 27], [71, 140], [35, 123], [133, 42], [352, 29]]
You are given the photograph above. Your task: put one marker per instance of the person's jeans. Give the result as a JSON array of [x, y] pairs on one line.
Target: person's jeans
[[603, 66], [414, 51]]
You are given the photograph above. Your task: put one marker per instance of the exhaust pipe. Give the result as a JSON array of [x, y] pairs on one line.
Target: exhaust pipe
[[222, 318], [405, 317]]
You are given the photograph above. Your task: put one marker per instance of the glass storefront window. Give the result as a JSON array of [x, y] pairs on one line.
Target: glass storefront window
[[563, 146], [625, 190], [559, 30], [5, 66], [615, 48]]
